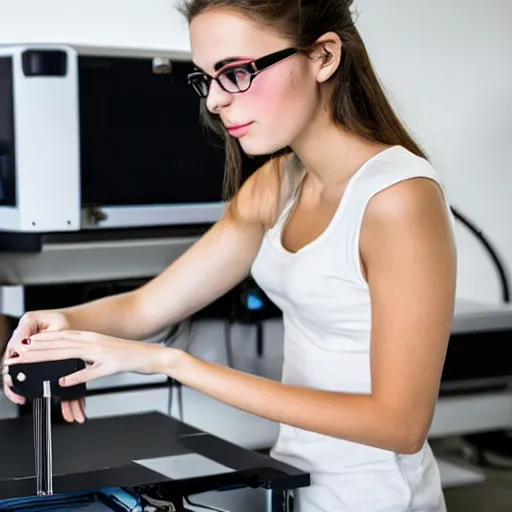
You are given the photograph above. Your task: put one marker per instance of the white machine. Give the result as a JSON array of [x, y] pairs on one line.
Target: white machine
[[112, 137]]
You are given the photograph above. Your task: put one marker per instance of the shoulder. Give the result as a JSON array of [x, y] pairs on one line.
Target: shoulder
[[403, 187], [410, 198], [407, 216], [410, 219], [262, 195]]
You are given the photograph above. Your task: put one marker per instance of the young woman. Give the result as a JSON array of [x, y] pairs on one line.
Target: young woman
[[347, 229]]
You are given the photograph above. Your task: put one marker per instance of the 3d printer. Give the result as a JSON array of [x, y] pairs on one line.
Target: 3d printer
[[140, 463]]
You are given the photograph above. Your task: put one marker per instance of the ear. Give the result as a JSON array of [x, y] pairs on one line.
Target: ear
[[327, 56]]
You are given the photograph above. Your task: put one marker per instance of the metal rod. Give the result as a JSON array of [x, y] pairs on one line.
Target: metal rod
[[43, 441], [37, 443], [47, 393]]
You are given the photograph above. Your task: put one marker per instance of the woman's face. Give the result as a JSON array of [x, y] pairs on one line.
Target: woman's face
[[281, 100]]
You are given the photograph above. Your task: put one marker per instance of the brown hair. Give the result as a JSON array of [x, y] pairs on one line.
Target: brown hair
[[359, 103]]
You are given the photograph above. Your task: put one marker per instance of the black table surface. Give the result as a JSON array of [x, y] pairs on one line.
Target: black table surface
[[102, 452]]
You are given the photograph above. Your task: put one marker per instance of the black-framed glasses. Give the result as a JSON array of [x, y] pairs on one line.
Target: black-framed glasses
[[237, 77]]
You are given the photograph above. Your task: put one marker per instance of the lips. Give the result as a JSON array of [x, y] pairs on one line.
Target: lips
[[238, 130], [236, 126]]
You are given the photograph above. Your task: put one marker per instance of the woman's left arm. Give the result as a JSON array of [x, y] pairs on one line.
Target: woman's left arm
[[409, 257], [409, 261]]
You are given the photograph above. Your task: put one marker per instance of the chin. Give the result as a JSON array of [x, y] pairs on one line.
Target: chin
[[259, 147]]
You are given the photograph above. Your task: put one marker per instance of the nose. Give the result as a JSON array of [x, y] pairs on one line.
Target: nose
[[217, 98]]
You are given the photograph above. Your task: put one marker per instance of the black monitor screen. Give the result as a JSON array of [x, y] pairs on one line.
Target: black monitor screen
[[7, 160], [141, 137]]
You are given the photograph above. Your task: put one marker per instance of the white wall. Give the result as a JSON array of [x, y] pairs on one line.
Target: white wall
[[445, 63], [141, 24]]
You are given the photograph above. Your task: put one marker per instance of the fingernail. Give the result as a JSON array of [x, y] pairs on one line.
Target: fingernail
[[26, 341], [15, 354]]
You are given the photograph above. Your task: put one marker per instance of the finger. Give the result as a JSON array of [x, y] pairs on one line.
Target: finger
[[11, 351], [60, 335], [32, 345], [7, 380], [67, 412], [78, 412], [22, 331], [37, 356], [83, 407], [8, 384], [26, 327], [83, 376], [10, 394]]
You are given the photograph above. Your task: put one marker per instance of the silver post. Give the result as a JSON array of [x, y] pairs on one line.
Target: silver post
[[36, 417], [43, 441], [269, 505]]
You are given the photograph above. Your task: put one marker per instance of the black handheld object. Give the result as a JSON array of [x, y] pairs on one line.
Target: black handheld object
[[28, 378]]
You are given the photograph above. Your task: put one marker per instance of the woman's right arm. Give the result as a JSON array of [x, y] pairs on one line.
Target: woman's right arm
[[218, 261]]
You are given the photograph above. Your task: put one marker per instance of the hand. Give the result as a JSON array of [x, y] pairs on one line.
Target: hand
[[30, 324], [103, 355]]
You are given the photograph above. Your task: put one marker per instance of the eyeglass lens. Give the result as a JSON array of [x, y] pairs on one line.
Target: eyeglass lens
[[233, 80]]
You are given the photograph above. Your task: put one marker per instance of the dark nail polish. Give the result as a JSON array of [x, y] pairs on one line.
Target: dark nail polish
[[26, 341]]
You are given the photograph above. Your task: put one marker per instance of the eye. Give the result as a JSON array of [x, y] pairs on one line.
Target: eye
[[238, 77]]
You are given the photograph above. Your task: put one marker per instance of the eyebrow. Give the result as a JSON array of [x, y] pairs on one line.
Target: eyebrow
[[229, 60], [222, 63]]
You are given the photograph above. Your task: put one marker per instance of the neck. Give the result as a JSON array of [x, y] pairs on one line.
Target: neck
[[330, 154]]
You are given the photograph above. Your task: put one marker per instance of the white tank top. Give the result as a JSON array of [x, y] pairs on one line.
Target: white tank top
[[327, 323]]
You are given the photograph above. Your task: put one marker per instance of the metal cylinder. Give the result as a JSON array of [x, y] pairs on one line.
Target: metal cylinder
[[42, 417]]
